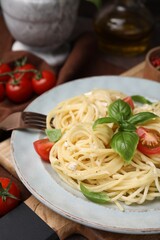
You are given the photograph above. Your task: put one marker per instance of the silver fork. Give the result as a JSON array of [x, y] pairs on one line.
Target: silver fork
[[23, 120]]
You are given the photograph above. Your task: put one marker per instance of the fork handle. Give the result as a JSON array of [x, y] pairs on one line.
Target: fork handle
[[4, 134]]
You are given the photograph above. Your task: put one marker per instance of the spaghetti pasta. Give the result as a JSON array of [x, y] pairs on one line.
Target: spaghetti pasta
[[85, 156]]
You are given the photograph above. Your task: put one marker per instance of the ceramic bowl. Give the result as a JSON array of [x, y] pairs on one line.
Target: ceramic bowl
[[41, 24], [151, 71]]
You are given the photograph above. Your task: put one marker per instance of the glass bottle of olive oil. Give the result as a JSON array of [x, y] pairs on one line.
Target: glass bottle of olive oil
[[124, 27]]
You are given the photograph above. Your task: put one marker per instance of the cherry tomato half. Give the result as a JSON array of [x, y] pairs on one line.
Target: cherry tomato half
[[4, 68], [43, 81], [9, 195], [149, 141], [129, 100], [43, 147], [19, 90], [2, 92]]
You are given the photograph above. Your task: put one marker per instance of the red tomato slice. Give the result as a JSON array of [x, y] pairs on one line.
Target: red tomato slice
[[149, 141], [43, 147], [129, 101], [9, 195]]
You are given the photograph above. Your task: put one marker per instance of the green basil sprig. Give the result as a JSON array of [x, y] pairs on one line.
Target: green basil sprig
[[125, 144], [53, 134], [125, 140], [141, 117], [140, 99], [119, 110], [97, 197]]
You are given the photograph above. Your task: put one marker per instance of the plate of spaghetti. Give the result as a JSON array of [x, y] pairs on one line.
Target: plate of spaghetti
[[103, 168]]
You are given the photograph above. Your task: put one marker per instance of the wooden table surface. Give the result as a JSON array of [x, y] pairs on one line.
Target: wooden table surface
[[103, 67]]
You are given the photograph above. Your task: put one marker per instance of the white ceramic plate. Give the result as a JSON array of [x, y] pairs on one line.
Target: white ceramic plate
[[45, 184]]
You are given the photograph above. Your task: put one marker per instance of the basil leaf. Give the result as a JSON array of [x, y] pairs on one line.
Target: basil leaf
[[119, 110], [140, 99], [104, 120], [127, 126], [96, 197], [125, 144], [53, 134], [141, 117]]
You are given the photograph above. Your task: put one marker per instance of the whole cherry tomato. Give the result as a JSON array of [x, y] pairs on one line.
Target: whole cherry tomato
[[19, 89], [2, 92], [43, 147], [9, 195], [27, 70], [149, 141], [43, 81], [4, 68], [23, 65]]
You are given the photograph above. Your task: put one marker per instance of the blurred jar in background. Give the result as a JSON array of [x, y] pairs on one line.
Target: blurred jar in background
[[124, 27]]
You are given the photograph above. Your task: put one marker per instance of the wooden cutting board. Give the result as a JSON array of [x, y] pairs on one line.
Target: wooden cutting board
[[63, 226]]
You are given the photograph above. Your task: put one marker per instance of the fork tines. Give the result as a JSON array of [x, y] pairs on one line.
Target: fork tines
[[36, 120]]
